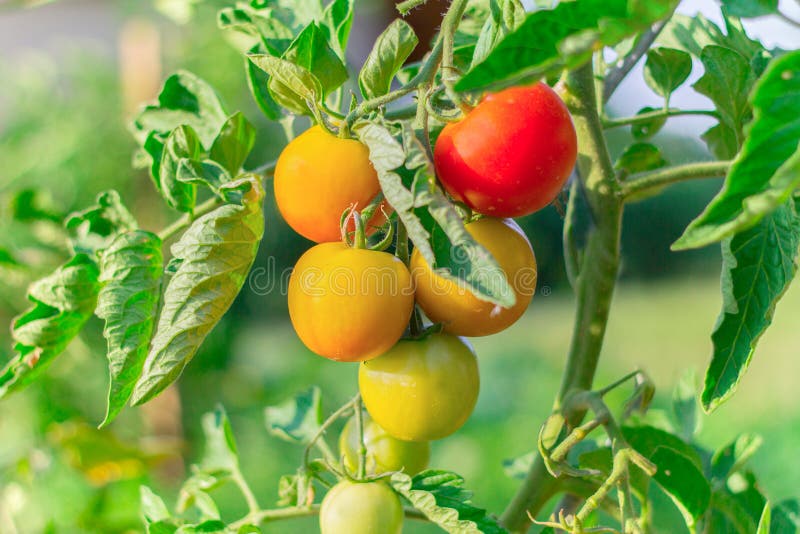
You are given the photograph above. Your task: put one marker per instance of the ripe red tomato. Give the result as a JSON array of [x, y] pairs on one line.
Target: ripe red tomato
[[511, 155]]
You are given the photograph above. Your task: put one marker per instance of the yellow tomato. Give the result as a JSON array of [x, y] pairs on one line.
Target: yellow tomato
[[349, 304], [421, 390], [361, 508], [317, 177], [453, 305], [385, 453]]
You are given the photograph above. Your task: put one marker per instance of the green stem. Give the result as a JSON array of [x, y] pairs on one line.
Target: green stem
[[407, 5], [595, 280], [266, 516], [362, 448], [343, 409], [609, 123], [249, 496], [401, 245], [209, 205], [645, 181], [449, 25]]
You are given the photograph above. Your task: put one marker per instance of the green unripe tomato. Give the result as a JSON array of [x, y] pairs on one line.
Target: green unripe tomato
[[361, 508], [384, 452]]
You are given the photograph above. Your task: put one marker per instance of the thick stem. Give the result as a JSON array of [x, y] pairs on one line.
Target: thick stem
[[595, 280], [640, 183], [448, 31]]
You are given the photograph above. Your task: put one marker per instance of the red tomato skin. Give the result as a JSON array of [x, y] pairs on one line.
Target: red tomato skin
[[511, 155]]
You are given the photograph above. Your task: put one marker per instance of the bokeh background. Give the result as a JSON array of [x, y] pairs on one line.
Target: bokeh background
[[71, 75]]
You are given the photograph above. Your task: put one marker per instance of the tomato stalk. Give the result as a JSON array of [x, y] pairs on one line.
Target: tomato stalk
[[595, 278], [647, 181], [362, 448], [449, 72]]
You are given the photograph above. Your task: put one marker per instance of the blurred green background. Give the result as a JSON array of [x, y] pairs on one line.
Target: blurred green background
[[64, 106]]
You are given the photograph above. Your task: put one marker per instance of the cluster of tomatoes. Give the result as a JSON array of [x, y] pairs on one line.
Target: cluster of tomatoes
[[510, 156]]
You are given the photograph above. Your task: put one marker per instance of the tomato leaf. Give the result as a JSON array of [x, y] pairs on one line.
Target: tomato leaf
[[62, 303], [727, 81], [640, 157], [786, 517], [731, 458], [207, 172], [685, 407], [647, 129], [233, 143], [409, 184], [290, 85], [152, 506], [765, 521], [683, 481], [549, 40], [439, 495], [767, 170], [758, 266], [181, 143], [311, 51], [721, 141], [271, 26], [211, 261], [185, 99], [297, 419], [91, 230], [666, 69], [750, 8], [505, 17], [220, 452], [336, 22], [194, 492], [390, 51], [130, 270]]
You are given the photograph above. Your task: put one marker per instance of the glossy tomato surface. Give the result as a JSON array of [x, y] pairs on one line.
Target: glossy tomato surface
[[385, 453], [361, 508], [511, 155], [453, 305], [349, 304], [421, 390], [317, 177]]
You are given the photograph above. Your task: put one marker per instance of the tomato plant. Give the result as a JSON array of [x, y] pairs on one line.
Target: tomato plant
[[406, 179]]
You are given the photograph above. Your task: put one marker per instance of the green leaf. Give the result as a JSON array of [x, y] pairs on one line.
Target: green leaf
[[505, 17], [750, 8], [786, 517], [207, 173], [683, 481], [195, 493], [290, 85], [439, 495], [62, 303], [550, 40], [266, 24], [220, 452], [130, 270], [336, 22], [233, 143], [152, 506], [212, 259], [311, 50], [297, 419], [185, 99], [685, 406], [694, 33], [7, 259], [92, 230], [408, 182], [758, 266], [666, 69], [647, 129], [34, 205], [258, 83], [721, 141], [390, 51], [767, 170], [182, 143], [640, 157], [213, 526], [731, 458], [764, 522], [727, 82]]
